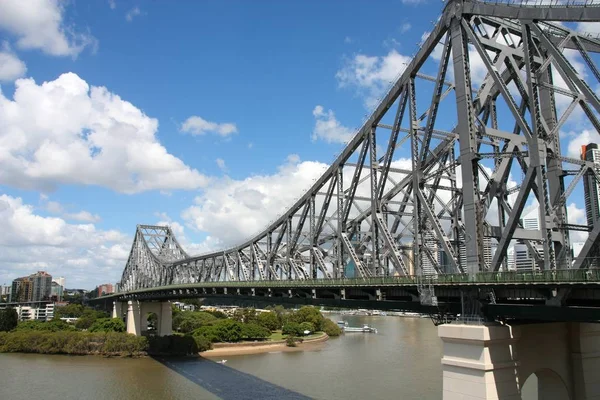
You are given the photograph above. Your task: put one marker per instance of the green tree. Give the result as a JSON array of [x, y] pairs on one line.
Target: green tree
[[307, 326], [188, 321], [69, 311], [8, 319], [309, 314], [254, 331], [269, 320], [331, 328], [292, 328], [108, 325], [228, 330], [281, 312], [218, 314]]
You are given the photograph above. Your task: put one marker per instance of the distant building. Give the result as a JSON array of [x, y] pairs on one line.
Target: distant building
[[106, 288], [60, 280], [21, 290], [41, 312], [35, 287], [42, 285], [56, 293], [5, 290], [591, 187]]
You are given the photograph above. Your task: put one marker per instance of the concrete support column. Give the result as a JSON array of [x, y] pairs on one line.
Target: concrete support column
[[133, 318], [117, 311], [165, 319], [585, 356], [479, 362]]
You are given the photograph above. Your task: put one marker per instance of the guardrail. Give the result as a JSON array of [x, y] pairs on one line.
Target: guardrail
[[510, 277]]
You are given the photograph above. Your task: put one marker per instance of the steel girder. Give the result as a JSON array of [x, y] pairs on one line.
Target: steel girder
[[440, 193]]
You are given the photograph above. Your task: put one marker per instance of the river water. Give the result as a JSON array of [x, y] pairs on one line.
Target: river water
[[401, 361]]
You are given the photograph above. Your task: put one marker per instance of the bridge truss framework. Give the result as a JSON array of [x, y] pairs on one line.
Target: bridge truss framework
[[374, 213]]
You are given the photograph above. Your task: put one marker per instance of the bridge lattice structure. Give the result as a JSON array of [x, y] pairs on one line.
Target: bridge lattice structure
[[471, 134]]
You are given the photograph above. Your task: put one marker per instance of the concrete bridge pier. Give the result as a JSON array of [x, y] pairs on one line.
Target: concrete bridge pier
[[495, 361], [137, 316], [117, 311]]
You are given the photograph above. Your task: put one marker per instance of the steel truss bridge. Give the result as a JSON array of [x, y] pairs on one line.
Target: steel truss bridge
[[441, 172]]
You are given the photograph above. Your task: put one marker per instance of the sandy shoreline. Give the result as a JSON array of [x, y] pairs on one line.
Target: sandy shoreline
[[239, 349]]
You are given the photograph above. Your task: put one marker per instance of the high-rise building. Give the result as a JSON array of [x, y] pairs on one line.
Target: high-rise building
[[42, 285], [591, 152], [35, 287], [56, 293], [432, 246], [591, 188], [21, 290], [523, 258], [60, 280], [510, 259]]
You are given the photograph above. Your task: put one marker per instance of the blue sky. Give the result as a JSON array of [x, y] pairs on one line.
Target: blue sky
[[192, 103]]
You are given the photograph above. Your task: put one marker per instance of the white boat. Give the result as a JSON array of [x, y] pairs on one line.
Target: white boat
[[364, 329], [221, 362]]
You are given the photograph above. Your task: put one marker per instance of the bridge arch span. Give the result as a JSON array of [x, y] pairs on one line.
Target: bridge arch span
[[545, 384]]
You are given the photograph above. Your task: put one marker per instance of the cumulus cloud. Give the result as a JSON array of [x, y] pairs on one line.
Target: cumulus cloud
[[11, 67], [199, 126], [230, 210], [83, 253], [39, 24], [372, 75], [328, 128], [112, 4], [82, 216], [66, 132]]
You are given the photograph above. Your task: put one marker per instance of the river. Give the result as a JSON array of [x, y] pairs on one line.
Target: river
[[401, 361]]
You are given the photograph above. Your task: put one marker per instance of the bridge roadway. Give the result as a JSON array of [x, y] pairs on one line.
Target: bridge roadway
[[562, 295]]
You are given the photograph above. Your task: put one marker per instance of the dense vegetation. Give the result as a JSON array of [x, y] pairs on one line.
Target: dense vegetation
[[95, 333]]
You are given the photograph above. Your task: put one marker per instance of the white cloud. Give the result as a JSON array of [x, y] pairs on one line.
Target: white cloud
[[413, 2], [81, 252], [592, 28], [347, 40], [372, 75], [112, 4], [199, 126], [328, 128], [134, 12], [230, 211], [221, 164], [82, 216], [11, 67], [38, 24], [405, 27], [581, 139], [66, 132]]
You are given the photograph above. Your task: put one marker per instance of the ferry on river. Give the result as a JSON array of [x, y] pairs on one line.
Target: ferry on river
[[364, 329]]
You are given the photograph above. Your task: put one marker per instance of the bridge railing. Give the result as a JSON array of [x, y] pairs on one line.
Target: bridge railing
[[543, 3]]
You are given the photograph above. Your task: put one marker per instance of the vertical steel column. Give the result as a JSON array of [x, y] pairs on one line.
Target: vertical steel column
[[537, 149], [338, 270], [375, 208], [414, 140], [269, 256], [468, 149], [313, 238], [288, 254]]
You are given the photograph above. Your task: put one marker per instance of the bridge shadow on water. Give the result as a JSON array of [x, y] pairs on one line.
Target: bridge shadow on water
[[225, 382]]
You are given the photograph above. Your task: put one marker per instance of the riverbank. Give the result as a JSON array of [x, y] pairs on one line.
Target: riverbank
[[246, 348]]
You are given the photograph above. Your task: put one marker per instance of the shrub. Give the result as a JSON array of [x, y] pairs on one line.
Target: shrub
[[331, 328], [8, 319], [202, 342], [54, 325], [292, 328], [174, 345], [108, 325], [290, 341]]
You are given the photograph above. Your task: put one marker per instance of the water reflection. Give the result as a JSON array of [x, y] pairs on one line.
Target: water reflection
[[228, 383]]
